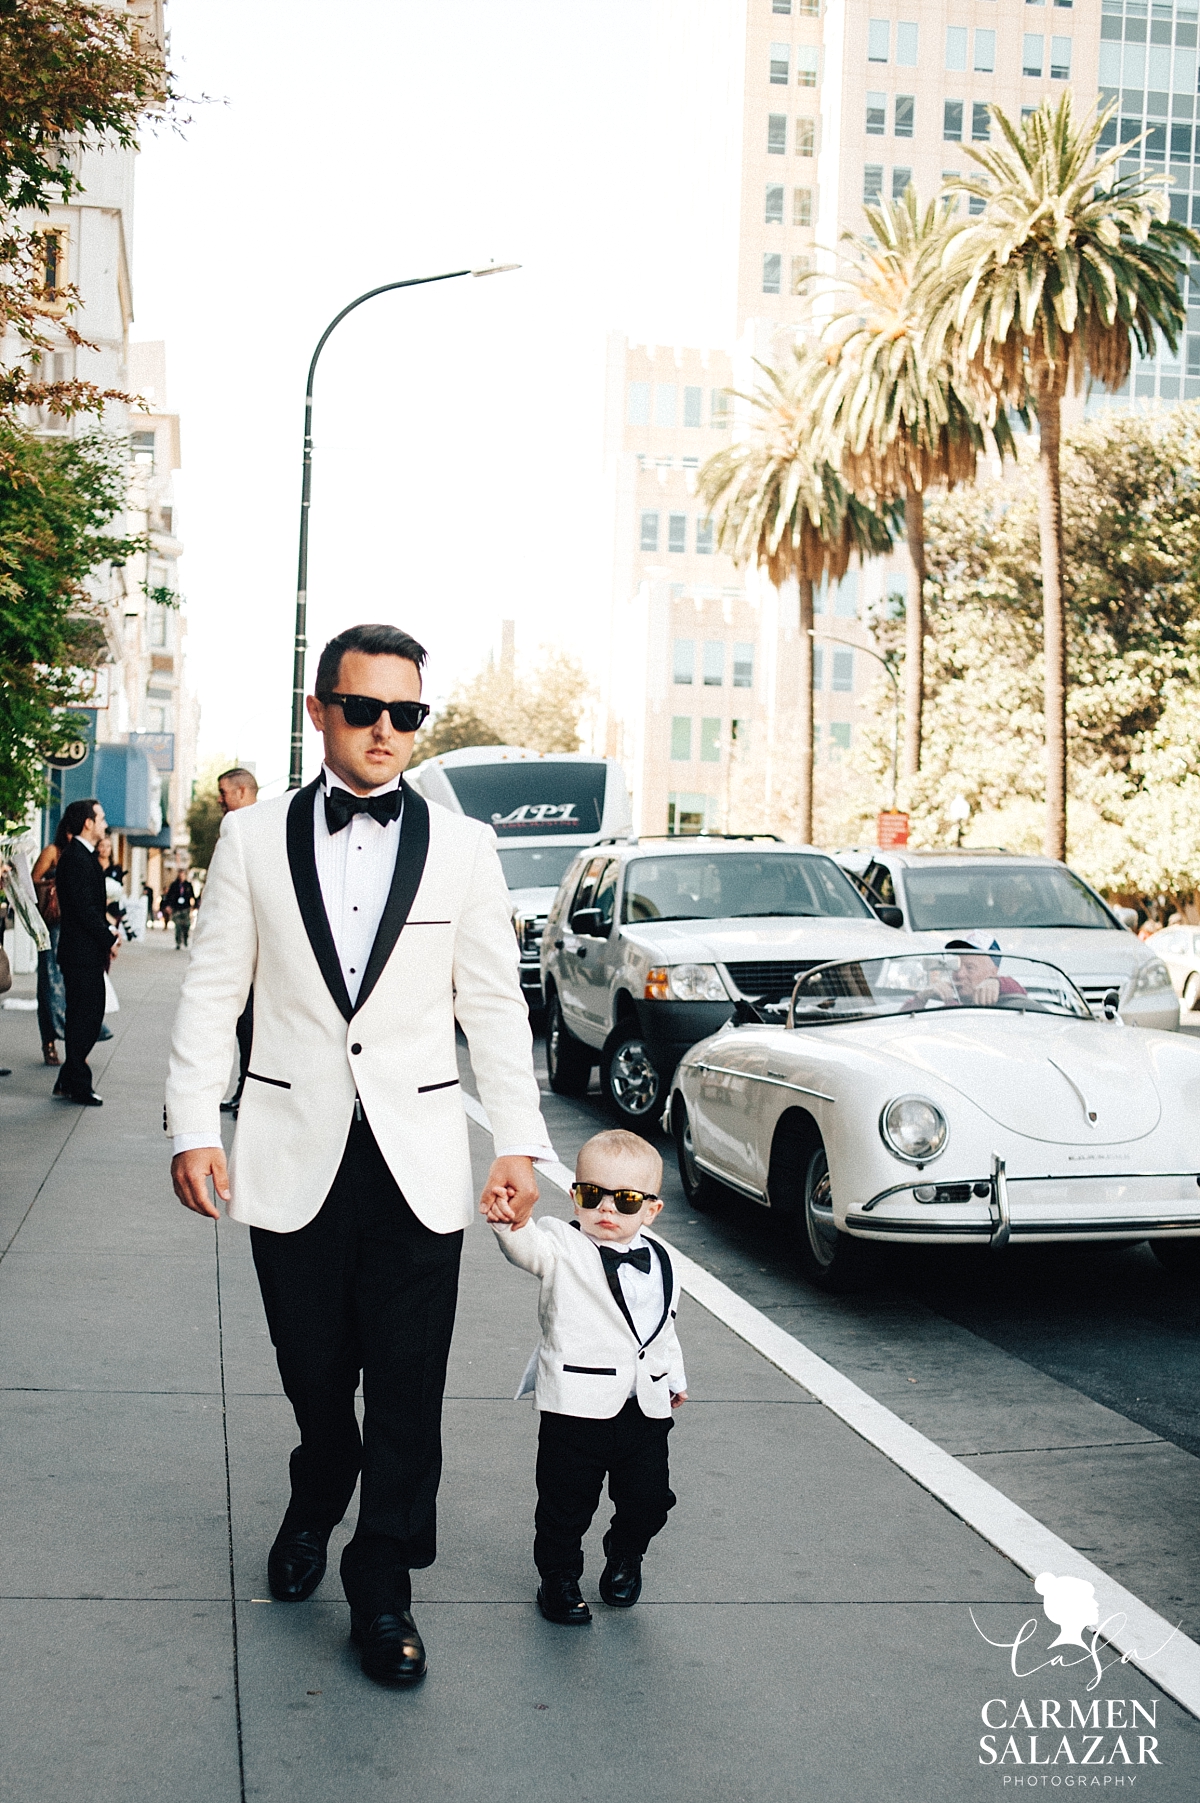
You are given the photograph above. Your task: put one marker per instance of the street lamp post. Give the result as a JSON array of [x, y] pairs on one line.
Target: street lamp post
[[300, 644], [891, 676]]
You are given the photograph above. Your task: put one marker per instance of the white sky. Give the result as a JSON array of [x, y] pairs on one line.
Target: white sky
[[458, 428]]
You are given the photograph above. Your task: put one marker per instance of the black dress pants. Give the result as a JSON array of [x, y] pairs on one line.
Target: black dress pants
[[575, 1454], [365, 1286], [84, 988]]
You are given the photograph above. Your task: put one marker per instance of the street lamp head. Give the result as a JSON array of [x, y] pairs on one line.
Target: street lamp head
[[496, 269]]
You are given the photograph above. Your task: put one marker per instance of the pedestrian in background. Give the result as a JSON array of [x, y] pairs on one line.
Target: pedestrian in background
[[51, 1000], [238, 788], [178, 903], [86, 945]]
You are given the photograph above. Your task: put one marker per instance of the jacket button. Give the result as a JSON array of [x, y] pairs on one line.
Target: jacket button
[[356, 1048]]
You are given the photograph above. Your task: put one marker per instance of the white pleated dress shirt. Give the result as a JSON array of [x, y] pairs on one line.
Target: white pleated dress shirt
[[643, 1293], [355, 869]]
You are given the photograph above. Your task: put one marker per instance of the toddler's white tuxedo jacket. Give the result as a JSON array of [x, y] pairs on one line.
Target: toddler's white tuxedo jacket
[[590, 1359], [445, 949]]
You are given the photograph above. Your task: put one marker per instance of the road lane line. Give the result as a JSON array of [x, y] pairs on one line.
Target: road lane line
[[1145, 1639]]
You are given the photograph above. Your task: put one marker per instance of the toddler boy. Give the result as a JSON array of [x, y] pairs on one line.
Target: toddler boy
[[607, 1372]]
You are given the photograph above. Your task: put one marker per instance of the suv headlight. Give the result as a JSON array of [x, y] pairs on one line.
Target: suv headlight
[[1152, 976], [914, 1129], [684, 983]]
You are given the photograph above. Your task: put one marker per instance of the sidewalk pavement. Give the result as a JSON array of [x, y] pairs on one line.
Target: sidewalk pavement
[[806, 1632]]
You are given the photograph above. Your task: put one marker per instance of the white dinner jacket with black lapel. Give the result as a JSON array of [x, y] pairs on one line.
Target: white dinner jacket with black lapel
[[445, 949], [590, 1359]]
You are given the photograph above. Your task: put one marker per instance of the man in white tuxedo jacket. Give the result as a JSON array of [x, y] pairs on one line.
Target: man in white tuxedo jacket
[[368, 923]]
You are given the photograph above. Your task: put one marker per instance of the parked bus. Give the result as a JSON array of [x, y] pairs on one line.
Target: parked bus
[[543, 807]]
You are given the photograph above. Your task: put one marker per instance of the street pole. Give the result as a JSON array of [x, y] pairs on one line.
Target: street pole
[[828, 638], [300, 643]]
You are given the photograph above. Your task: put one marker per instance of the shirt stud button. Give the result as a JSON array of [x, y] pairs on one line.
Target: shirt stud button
[[356, 1048]]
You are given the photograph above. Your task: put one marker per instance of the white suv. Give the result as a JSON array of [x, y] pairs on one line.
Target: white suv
[[1032, 907], [649, 945]]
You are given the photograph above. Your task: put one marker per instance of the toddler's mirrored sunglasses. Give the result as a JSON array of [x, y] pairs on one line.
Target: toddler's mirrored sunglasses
[[628, 1201], [364, 710]]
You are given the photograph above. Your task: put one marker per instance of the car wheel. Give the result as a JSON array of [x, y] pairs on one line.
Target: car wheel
[[629, 1077], [1191, 992], [828, 1257], [699, 1188], [1180, 1257], [568, 1062]]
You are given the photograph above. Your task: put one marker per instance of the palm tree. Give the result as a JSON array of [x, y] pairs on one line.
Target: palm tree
[[1064, 268], [776, 504], [893, 423]]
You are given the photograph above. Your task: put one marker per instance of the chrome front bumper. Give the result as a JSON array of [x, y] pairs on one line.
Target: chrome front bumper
[[999, 1209]]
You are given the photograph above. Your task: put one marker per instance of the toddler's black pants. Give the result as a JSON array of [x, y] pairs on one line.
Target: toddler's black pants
[[575, 1454]]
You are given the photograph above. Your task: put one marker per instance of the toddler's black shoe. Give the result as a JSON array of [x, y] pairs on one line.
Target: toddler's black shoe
[[559, 1600], [621, 1579]]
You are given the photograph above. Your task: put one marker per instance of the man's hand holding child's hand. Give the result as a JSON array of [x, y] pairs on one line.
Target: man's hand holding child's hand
[[510, 1192]]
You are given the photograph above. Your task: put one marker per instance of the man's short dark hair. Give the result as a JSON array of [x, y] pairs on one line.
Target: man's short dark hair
[[374, 641], [241, 779], [75, 817]]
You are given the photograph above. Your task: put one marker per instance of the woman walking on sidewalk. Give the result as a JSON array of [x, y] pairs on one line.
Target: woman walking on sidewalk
[[51, 996]]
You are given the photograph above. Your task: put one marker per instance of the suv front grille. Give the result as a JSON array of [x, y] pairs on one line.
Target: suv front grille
[[1094, 994], [769, 979]]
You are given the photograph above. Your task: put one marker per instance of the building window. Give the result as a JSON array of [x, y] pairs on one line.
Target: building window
[[806, 137], [981, 122], [776, 134], [843, 673], [876, 115], [872, 183], [710, 741], [687, 813], [721, 409], [802, 268], [638, 411], [683, 659], [664, 404], [781, 6], [952, 111], [693, 406], [743, 666], [985, 52], [1193, 356], [54, 268], [649, 532], [809, 9], [907, 39], [1033, 53], [714, 663], [879, 33], [739, 735], [901, 179], [807, 63], [818, 668], [845, 597], [158, 626], [704, 538], [956, 47], [1060, 59], [975, 205], [779, 65], [677, 532], [142, 446], [906, 107], [802, 207], [681, 739], [772, 272], [773, 214], [839, 740]]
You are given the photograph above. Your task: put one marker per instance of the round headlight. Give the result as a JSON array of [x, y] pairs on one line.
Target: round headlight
[[914, 1129]]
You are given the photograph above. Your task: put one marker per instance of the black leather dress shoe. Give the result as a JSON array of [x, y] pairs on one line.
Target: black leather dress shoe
[[391, 1648], [559, 1600], [89, 1101], [296, 1564], [621, 1579]]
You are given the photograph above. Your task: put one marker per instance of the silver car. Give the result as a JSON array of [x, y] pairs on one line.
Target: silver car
[[1031, 907], [652, 945]]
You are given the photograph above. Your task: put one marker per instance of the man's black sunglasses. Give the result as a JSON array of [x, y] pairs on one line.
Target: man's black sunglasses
[[364, 710]]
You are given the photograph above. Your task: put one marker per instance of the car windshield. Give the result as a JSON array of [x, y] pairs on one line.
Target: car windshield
[[738, 885], [968, 898], [535, 866], [872, 989]]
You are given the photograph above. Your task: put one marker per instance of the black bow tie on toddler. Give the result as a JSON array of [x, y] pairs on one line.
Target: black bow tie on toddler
[[341, 807], [639, 1258]]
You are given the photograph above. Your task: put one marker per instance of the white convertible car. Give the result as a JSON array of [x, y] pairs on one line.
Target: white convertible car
[[953, 1097]]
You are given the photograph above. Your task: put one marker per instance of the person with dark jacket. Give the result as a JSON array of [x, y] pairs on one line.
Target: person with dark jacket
[[86, 945]]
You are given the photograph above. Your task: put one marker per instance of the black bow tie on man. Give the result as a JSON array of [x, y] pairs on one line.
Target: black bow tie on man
[[639, 1258], [341, 807]]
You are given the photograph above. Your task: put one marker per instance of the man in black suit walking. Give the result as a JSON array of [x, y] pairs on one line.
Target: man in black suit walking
[[86, 945]]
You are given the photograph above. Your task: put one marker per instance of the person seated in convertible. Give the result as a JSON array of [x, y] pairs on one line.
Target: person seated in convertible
[[976, 983]]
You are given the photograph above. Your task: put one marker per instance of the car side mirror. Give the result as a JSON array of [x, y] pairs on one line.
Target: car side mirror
[[1112, 1004], [891, 917], [590, 923]]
